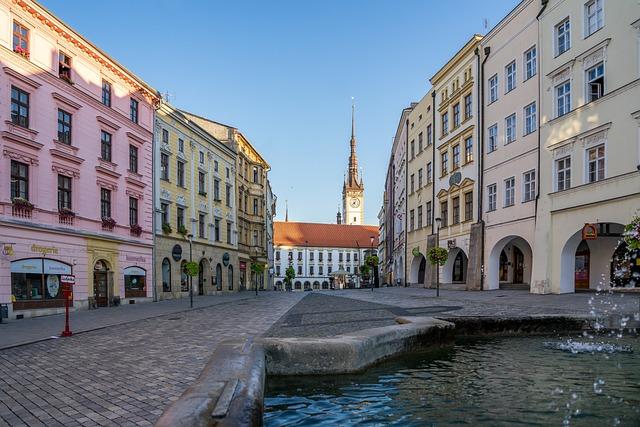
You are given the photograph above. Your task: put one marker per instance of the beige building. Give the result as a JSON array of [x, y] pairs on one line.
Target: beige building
[[196, 217], [510, 146], [420, 190], [590, 136], [455, 88]]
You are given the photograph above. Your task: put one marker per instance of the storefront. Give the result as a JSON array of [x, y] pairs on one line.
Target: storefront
[[135, 282], [35, 283]]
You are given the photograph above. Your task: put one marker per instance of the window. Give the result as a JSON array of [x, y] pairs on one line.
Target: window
[[201, 158], [510, 129], [64, 193], [255, 174], [64, 66], [455, 208], [563, 98], [444, 213], [468, 206], [329, 256], [509, 191], [320, 256], [420, 142], [133, 211], [299, 274], [181, 145], [411, 219], [563, 37], [106, 93], [456, 157], [166, 275], [255, 206], [445, 123], [164, 166], [105, 146], [510, 77], [215, 165], [595, 82], [64, 127], [216, 189], [530, 63], [530, 118], [105, 203], [593, 16], [180, 173], [228, 174], [340, 257], [411, 180], [429, 213], [255, 238], [493, 89], [179, 218], [201, 230], [493, 138], [595, 159], [202, 190], [419, 216], [20, 39], [444, 160], [492, 193], [529, 184], [311, 270], [429, 136], [278, 270], [216, 229], [311, 255], [320, 271], [228, 233], [133, 110], [348, 256], [164, 213], [429, 173], [563, 174], [228, 195], [413, 148], [19, 107], [133, 159], [419, 178], [165, 136], [467, 107], [468, 150], [456, 115]]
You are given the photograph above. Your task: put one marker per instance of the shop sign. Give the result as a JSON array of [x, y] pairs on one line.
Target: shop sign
[[44, 250], [134, 271], [243, 265], [7, 250], [134, 258], [53, 285], [226, 258], [589, 232], [55, 267], [31, 265], [68, 279], [451, 244], [416, 252], [176, 252]]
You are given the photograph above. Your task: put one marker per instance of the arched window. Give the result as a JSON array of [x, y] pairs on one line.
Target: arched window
[[166, 275], [298, 285], [316, 285], [184, 278], [307, 285], [325, 285], [218, 277], [230, 278]]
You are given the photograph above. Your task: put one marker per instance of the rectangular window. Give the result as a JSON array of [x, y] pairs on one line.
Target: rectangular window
[[19, 107], [429, 213], [164, 213], [510, 77], [429, 136], [20, 39], [255, 206], [411, 220], [181, 145], [106, 93], [201, 153], [311, 255], [256, 177], [493, 89], [320, 256], [563, 174], [467, 107], [228, 195], [529, 184], [201, 228], [216, 229], [563, 98], [445, 123], [133, 211], [64, 193], [444, 213], [563, 37], [255, 238], [133, 110], [164, 166], [595, 159], [348, 256], [530, 118], [510, 129], [456, 115], [595, 82], [64, 127], [419, 213], [133, 159], [64, 66], [216, 190], [105, 146], [412, 180], [320, 270], [228, 233], [179, 218], [412, 146], [468, 150], [180, 173], [299, 270], [165, 136], [278, 270], [509, 191], [311, 270], [429, 173], [468, 206], [419, 178], [330, 256], [105, 203], [530, 63], [594, 17], [492, 144], [202, 179], [420, 142], [456, 157], [492, 194], [215, 165], [444, 162], [455, 210]]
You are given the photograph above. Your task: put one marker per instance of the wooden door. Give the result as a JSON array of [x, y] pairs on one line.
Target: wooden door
[[518, 270], [582, 266], [100, 288]]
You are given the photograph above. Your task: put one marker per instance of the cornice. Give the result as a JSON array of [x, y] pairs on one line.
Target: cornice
[[26, 80], [457, 58], [66, 101]]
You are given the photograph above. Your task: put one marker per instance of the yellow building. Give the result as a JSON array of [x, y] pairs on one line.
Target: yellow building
[[195, 209]]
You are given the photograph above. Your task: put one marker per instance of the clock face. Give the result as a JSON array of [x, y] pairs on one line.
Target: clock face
[[355, 202]]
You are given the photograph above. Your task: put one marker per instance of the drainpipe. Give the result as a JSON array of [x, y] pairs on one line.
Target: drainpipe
[[154, 190], [406, 197], [538, 109], [433, 159], [480, 121]]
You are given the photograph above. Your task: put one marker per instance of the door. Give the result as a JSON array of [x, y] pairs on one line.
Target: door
[[201, 279], [582, 266], [458, 268], [504, 267], [518, 271], [100, 288]]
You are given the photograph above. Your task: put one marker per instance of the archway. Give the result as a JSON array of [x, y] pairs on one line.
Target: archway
[[102, 283], [316, 285], [325, 285], [218, 277], [307, 285], [166, 275], [230, 278], [509, 264], [417, 271], [184, 277], [298, 285], [279, 285], [455, 269]]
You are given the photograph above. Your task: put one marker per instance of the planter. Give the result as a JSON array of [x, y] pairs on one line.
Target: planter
[[136, 230], [166, 228], [108, 223], [22, 52]]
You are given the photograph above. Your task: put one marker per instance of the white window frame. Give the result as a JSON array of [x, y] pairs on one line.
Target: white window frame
[[564, 96], [566, 36], [509, 191], [510, 136], [599, 23], [556, 172], [530, 120], [493, 88], [588, 163], [510, 76], [492, 145], [529, 179], [530, 63], [492, 196], [587, 82]]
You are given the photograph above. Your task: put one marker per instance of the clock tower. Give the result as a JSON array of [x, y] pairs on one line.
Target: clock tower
[[353, 188]]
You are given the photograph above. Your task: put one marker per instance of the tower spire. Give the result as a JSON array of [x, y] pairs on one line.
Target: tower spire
[[286, 214], [353, 179]]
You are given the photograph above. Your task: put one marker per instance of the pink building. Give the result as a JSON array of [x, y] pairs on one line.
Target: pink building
[[75, 168]]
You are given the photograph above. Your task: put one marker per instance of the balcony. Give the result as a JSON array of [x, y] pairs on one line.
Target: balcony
[[21, 208], [66, 216], [108, 224]]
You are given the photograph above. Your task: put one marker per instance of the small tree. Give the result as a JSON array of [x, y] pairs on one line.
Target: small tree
[[365, 270], [631, 234], [438, 256], [192, 268], [289, 275], [372, 261]]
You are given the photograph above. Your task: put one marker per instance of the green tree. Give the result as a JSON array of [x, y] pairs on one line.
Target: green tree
[[192, 268], [289, 275], [438, 256]]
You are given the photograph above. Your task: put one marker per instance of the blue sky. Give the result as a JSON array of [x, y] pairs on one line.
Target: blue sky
[[284, 73]]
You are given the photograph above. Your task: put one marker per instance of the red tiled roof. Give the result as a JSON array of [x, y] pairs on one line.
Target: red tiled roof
[[324, 235]]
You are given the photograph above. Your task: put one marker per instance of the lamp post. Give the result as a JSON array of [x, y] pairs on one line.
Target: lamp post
[[305, 266], [190, 238], [438, 220], [358, 272], [372, 238]]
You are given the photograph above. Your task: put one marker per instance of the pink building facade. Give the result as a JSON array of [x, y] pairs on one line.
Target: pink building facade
[[75, 169]]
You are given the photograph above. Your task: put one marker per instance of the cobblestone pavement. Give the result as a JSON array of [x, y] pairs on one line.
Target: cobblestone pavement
[[125, 374]]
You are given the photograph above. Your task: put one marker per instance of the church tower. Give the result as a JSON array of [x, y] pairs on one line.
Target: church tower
[[353, 188]]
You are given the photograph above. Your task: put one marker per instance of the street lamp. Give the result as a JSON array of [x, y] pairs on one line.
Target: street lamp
[[372, 238], [438, 221], [358, 276], [190, 238]]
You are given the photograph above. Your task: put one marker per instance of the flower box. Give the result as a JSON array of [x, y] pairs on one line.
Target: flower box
[[21, 51], [108, 223], [22, 203], [136, 230]]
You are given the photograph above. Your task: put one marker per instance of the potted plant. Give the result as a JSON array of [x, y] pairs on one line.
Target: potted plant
[[166, 228], [181, 229], [21, 51], [108, 222], [22, 203], [66, 213], [136, 230]]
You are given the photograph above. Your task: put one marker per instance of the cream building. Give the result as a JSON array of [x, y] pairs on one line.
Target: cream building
[[420, 191], [455, 86], [195, 195], [510, 146], [590, 140]]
